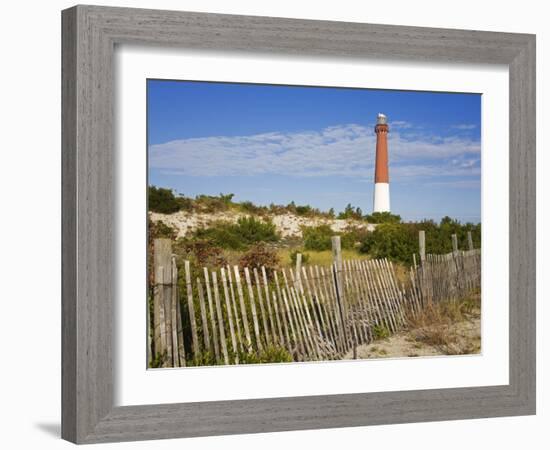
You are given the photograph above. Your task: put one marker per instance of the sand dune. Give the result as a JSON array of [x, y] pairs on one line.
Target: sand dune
[[288, 225]]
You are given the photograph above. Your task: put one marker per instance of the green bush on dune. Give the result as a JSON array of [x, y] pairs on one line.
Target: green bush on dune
[[162, 200], [238, 236], [317, 238], [383, 217], [398, 241]]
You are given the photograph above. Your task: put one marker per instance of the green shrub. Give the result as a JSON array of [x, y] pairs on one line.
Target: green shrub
[[307, 211], [220, 234], [398, 241], [227, 198], [317, 238], [158, 360], [380, 332], [185, 203], [252, 230], [251, 208], [203, 359], [291, 207], [162, 200], [392, 241], [277, 209], [271, 354], [212, 203], [438, 236], [238, 236], [158, 229], [383, 217], [351, 213], [260, 255], [201, 252], [353, 237]]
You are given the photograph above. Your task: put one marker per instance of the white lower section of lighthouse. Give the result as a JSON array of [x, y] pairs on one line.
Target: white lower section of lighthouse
[[381, 197]]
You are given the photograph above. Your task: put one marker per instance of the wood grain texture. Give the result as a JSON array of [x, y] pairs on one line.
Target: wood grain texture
[[68, 226], [89, 204]]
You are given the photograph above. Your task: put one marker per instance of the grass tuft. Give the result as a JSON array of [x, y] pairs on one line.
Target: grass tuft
[[434, 326]]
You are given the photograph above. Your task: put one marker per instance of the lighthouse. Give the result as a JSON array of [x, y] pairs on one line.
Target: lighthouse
[[381, 174]]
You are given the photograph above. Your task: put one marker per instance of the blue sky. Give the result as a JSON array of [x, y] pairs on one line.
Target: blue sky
[[277, 144]]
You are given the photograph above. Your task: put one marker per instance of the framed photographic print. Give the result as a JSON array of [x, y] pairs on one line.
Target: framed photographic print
[[278, 224]]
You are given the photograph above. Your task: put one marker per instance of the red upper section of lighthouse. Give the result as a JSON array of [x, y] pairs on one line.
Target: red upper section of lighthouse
[[381, 174]]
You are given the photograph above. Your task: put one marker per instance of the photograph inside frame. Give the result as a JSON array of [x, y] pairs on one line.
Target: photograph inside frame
[[300, 223]]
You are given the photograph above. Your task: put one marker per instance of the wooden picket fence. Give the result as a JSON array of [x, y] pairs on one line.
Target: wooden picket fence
[[314, 312]]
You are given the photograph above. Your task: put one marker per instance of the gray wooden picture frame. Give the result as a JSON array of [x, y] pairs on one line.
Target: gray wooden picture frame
[[90, 34]]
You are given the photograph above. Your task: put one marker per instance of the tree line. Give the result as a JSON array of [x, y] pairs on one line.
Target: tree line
[[165, 201]]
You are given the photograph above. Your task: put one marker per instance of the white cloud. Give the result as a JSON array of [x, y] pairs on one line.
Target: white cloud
[[464, 126], [341, 150], [400, 124], [407, 172], [459, 184]]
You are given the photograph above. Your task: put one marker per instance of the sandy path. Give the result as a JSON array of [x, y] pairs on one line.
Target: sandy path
[[461, 338]]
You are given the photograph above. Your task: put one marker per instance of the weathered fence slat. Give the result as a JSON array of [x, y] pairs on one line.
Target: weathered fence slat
[[323, 303], [470, 241], [282, 340], [204, 320], [191, 310], [162, 299], [317, 304], [181, 346], [310, 301], [298, 347], [362, 301], [269, 308], [243, 309], [303, 324], [300, 319], [284, 314], [220, 317], [259, 345], [212, 312], [330, 293], [160, 319], [229, 316], [174, 313], [235, 309], [263, 313]]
